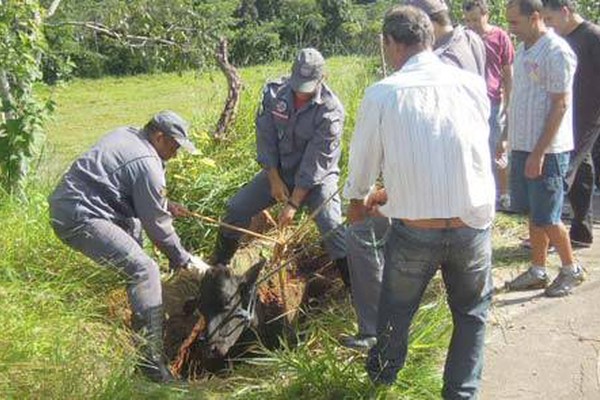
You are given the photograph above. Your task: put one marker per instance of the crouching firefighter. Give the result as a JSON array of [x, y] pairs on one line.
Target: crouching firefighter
[[103, 202], [299, 128]]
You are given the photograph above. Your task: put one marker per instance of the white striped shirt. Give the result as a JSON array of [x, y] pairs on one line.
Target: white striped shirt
[[425, 128], [546, 67]]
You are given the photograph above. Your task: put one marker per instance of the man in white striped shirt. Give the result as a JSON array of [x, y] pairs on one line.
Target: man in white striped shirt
[[424, 129], [454, 46]]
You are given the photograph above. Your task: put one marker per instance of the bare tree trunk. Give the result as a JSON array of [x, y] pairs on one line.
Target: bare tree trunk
[[233, 97]]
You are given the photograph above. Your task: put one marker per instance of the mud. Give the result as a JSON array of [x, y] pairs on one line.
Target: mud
[[283, 300]]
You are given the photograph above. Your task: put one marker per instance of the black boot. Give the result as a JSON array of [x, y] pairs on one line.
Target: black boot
[[224, 250], [149, 326], [341, 264]]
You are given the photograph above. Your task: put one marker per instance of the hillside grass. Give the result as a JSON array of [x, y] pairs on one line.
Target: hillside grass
[[61, 338]]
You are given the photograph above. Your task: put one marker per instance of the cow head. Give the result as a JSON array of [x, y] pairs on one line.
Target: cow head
[[224, 302]]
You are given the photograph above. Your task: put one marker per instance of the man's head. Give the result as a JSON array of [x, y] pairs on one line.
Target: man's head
[[406, 31], [476, 15], [308, 72], [560, 15], [525, 19], [167, 131], [437, 10]]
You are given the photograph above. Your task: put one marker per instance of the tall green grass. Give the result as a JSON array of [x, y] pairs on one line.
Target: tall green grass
[[58, 339]]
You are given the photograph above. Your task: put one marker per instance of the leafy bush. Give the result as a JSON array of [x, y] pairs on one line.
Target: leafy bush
[[262, 39]]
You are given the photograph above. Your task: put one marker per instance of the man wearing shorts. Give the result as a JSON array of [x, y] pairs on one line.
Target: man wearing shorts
[[540, 130]]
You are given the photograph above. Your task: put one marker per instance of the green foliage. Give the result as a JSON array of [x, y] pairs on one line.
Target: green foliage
[[98, 38], [141, 36], [590, 9], [259, 31], [261, 38], [22, 115], [317, 368]]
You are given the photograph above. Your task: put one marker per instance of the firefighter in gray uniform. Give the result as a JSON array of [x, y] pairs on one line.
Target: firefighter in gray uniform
[[105, 199], [298, 138]]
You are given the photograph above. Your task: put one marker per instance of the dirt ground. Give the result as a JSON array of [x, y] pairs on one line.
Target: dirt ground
[[543, 348]]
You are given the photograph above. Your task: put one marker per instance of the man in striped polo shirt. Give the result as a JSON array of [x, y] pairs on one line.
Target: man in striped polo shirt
[[540, 135]]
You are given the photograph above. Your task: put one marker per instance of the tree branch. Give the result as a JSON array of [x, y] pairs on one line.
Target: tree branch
[[123, 37], [53, 7]]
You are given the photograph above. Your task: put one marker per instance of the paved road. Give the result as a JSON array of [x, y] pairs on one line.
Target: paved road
[[542, 348]]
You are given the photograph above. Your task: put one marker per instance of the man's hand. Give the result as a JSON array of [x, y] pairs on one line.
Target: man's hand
[[197, 264], [357, 211], [374, 200], [286, 216], [279, 190], [177, 210], [533, 165]]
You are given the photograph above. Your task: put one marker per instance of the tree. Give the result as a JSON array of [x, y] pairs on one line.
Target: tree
[[22, 114]]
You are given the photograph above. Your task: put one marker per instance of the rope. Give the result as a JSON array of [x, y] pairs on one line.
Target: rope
[[184, 350], [233, 227]]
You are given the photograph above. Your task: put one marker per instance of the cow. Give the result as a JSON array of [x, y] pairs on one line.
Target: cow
[[224, 300]]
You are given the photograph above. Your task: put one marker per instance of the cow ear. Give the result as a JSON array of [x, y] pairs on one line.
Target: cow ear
[[251, 276]]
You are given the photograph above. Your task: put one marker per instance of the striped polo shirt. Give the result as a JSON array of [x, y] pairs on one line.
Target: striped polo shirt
[[545, 68]]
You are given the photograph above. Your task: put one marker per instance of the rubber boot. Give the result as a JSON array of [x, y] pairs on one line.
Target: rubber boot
[[149, 326], [225, 248], [341, 264]]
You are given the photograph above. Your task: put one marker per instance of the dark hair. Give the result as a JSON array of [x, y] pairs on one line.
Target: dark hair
[[558, 4], [408, 25], [469, 5], [527, 7], [441, 18]]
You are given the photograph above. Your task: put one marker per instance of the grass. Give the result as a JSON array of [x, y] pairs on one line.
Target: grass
[[60, 338]]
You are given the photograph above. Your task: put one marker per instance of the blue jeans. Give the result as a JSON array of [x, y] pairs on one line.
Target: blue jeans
[[365, 243], [412, 256]]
